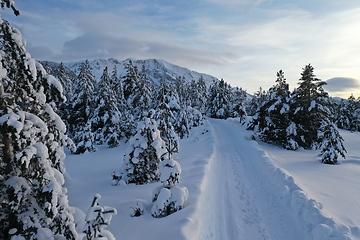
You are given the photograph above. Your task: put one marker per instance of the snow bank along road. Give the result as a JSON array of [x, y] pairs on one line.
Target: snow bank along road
[[245, 196]]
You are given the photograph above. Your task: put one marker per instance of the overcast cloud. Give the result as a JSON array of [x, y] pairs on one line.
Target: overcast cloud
[[245, 42]]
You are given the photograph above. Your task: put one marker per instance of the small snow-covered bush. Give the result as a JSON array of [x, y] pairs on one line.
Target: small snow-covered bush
[[170, 171], [138, 209], [168, 200], [97, 218]]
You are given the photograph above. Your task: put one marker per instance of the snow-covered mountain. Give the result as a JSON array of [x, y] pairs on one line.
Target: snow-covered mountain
[[156, 69]]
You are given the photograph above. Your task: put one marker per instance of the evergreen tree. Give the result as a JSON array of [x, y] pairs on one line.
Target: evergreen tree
[[82, 108], [202, 95], [97, 218], [32, 136], [105, 121], [130, 82], [141, 97], [146, 150], [331, 143], [343, 116], [65, 80], [116, 86], [309, 104], [181, 124], [272, 117], [352, 110], [256, 101], [237, 108], [219, 100], [165, 118]]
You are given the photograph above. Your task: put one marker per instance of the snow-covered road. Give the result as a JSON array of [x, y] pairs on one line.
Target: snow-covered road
[[238, 203], [239, 189]]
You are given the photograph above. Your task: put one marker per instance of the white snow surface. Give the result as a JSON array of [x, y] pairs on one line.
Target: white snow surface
[[238, 189]]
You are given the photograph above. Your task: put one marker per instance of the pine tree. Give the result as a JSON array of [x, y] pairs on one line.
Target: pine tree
[[272, 118], [343, 116], [130, 82], [352, 110], [219, 100], [312, 115], [237, 108], [33, 200], [82, 108], [331, 143], [105, 121], [309, 108], [97, 218], [146, 150], [181, 124], [65, 80], [141, 99], [165, 118]]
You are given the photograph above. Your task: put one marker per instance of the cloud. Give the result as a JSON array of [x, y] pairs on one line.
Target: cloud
[[239, 2], [106, 45], [342, 84]]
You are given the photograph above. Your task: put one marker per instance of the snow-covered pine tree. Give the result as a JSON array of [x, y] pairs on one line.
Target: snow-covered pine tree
[[202, 97], [352, 110], [272, 118], [82, 108], [118, 89], [141, 99], [33, 200], [146, 150], [97, 219], [181, 124], [219, 100], [343, 116], [256, 101], [309, 108], [65, 80], [237, 108], [180, 87], [130, 81], [165, 118], [168, 198], [105, 121], [331, 143]]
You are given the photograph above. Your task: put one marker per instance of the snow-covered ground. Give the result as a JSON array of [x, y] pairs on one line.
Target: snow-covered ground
[[238, 189]]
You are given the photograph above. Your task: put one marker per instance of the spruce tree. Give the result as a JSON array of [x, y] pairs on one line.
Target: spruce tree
[[146, 150], [219, 100], [82, 108], [237, 108], [33, 200], [331, 143], [165, 118], [141, 99], [105, 121], [312, 115], [272, 118], [309, 108]]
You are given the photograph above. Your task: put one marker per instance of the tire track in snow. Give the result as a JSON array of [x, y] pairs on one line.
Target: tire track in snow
[[239, 204]]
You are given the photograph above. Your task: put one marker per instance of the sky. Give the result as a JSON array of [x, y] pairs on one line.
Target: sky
[[245, 42]]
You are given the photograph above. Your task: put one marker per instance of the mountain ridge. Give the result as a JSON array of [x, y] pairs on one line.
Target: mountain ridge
[[156, 69]]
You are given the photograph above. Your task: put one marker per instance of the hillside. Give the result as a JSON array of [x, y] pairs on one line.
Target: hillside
[[238, 189], [156, 69]]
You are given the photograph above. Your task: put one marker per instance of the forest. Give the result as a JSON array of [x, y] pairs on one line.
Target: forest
[[44, 110]]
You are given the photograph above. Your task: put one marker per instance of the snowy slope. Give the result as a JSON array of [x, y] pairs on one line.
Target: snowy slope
[[238, 189], [155, 68]]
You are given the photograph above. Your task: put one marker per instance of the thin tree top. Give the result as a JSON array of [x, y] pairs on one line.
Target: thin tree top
[[9, 4]]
